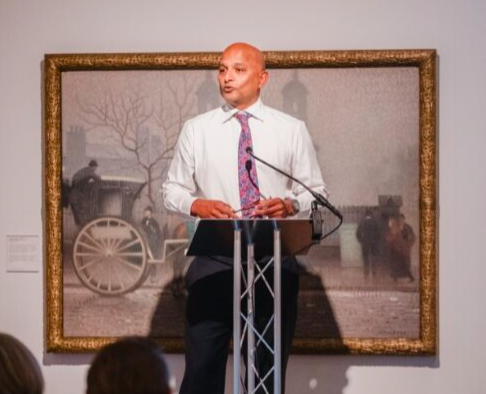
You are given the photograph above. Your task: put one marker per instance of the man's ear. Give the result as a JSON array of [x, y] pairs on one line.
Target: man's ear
[[263, 78]]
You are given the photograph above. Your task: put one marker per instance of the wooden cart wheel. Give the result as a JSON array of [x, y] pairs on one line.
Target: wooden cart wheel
[[110, 256]]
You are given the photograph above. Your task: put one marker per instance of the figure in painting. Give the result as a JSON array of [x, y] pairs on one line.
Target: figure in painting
[[83, 194], [368, 234], [409, 237], [152, 232], [399, 242]]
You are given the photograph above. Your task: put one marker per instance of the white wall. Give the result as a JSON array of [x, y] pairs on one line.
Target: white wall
[[457, 29]]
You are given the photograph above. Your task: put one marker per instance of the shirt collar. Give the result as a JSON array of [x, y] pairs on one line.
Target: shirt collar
[[256, 110]]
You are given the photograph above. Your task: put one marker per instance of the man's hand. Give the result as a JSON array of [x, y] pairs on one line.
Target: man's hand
[[211, 209], [274, 208]]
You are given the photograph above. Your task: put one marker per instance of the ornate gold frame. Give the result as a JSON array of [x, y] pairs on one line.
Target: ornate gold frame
[[424, 60]]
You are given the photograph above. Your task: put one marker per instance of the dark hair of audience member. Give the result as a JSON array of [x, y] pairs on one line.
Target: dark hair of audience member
[[20, 372], [133, 365]]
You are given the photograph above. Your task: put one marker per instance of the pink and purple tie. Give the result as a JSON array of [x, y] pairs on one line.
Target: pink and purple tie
[[249, 194]]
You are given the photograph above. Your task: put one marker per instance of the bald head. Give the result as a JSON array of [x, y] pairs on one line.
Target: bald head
[[242, 74], [249, 50]]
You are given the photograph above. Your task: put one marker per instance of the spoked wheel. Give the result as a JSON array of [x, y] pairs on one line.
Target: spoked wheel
[[109, 256]]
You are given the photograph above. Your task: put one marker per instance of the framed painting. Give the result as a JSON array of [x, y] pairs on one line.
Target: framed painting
[[115, 260]]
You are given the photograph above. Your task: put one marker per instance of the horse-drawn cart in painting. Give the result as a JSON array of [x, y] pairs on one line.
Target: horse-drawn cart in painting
[[110, 254]]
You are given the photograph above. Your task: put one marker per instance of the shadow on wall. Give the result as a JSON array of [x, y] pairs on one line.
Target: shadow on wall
[[307, 374], [307, 377], [328, 374]]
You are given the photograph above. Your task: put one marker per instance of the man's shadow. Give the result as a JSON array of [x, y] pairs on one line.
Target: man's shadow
[[315, 322]]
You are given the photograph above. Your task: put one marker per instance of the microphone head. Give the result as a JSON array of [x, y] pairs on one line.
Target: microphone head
[[249, 150], [248, 165]]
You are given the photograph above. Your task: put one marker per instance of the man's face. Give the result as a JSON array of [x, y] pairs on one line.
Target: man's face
[[147, 213], [241, 76]]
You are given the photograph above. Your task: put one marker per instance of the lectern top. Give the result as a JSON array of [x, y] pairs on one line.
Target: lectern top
[[215, 237]]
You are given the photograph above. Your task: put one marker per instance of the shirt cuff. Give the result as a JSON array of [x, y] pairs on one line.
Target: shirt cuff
[[186, 204]]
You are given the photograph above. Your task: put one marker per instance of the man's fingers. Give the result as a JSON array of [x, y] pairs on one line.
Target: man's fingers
[[274, 208], [280, 213], [211, 209], [218, 215], [266, 204], [225, 210]]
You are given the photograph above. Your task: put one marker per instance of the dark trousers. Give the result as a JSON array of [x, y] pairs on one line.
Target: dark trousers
[[209, 330]]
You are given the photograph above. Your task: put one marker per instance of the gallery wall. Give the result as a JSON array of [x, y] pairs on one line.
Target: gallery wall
[[457, 29]]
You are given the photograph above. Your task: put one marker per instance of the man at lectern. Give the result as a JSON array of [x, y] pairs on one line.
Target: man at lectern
[[212, 175]]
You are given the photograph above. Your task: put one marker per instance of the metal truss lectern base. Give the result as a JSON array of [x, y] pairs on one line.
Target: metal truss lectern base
[[247, 241]]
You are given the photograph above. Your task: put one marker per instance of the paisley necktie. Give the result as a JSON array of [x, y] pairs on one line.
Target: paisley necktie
[[249, 192]]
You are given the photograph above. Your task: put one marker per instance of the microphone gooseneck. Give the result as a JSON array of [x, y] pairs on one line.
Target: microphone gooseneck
[[319, 197]]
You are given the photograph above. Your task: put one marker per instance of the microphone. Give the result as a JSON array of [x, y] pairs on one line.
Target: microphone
[[248, 166], [319, 198]]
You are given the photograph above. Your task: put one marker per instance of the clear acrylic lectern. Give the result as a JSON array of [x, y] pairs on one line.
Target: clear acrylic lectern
[[249, 241]]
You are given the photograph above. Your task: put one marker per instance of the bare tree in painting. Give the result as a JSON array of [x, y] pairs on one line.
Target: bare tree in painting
[[180, 107], [123, 122]]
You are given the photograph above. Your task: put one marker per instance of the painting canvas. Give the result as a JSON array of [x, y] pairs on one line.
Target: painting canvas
[[122, 255]]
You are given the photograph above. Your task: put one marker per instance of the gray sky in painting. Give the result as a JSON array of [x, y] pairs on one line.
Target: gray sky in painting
[[364, 121]]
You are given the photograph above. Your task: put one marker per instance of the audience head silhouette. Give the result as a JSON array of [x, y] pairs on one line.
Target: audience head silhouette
[[132, 365], [20, 372]]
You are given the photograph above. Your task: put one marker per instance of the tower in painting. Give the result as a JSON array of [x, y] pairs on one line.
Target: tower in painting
[[295, 98]]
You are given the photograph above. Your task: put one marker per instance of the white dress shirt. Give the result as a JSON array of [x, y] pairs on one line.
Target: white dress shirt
[[205, 163]]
